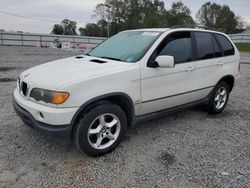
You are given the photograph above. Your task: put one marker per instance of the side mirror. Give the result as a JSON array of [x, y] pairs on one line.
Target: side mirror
[[165, 61]]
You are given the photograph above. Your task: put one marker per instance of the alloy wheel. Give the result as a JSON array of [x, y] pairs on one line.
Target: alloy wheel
[[220, 98], [104, 131]]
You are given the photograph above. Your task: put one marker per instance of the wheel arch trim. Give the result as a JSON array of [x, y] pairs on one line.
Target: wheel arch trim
[[103, 97], [226, 77]]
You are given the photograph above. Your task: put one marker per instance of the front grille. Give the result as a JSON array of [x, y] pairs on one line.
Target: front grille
[[24, 88]]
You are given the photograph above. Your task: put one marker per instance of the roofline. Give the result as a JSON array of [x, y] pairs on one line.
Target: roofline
[[174, 29], [150, 29]]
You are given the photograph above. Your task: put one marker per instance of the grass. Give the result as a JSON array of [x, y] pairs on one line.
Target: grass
[[243, 47]]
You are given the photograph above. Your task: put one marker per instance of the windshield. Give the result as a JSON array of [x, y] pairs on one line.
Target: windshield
[[129, 46]]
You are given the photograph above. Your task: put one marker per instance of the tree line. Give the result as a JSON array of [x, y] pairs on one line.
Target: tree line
[[118, 15]]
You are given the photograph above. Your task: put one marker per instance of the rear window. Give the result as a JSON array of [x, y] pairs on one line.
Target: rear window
[[204, 45], [226, 45]]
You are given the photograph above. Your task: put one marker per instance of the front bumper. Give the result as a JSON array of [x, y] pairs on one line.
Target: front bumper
[[55, 121], [27, 118], [52, 115]]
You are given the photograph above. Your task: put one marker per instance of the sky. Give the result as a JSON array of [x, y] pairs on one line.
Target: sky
[[49, 12]]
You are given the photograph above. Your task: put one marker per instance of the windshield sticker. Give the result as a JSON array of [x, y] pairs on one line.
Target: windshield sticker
[[130, 59], [150, 34]]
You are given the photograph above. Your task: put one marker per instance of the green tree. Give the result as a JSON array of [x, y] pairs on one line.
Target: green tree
[[154, 14], [241, 23], [121, 15], [57, 29], [69, 27], [130, 14], [217, 17], [180, 14], [91, 29], [112, 13], [102, 25]]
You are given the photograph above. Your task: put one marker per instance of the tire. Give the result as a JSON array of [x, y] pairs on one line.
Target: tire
[[218, 100], [101, 129]]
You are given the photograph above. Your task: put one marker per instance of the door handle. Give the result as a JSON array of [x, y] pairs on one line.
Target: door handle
[[190, 69], [220, 64]]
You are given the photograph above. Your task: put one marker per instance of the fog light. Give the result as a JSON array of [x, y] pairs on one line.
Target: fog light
[[41, 115]]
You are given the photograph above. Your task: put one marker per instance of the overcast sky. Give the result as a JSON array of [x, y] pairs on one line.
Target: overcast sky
[[79, 10]]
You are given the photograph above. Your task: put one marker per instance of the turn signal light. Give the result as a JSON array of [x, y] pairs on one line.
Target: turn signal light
[[59, 97]]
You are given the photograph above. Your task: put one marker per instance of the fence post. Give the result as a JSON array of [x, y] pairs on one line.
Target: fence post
[[22, 39], [1, 38], [74, 42], [41, 41]]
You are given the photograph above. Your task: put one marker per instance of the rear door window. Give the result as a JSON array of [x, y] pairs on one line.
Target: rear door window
[[204, 45], [226, 45]]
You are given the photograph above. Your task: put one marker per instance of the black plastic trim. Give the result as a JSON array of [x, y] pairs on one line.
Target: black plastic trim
[[53, 130], [219, 45], [225, 77], [102, 97], [154, 115], [176, 94]]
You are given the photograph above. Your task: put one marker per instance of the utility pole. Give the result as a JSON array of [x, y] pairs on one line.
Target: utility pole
[[108, 17]]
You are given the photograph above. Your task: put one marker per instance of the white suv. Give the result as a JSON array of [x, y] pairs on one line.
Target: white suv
[[133, 76]]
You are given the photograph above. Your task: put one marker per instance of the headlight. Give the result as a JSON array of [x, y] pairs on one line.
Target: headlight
[[48, 96], [18, 82]]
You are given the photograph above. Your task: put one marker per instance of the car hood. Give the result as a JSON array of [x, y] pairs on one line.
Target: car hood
[[56, 74]]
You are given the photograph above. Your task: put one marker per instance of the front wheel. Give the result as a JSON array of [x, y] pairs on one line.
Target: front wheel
[[101, 129], [219, 98]]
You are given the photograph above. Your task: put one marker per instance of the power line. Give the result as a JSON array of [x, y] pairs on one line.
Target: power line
[[26, 17]]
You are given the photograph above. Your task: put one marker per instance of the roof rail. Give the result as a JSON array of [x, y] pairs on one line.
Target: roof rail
[[202, 27], [189, 26], [182, 26]]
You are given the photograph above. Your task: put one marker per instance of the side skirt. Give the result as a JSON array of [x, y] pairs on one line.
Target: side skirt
[[155, 115]]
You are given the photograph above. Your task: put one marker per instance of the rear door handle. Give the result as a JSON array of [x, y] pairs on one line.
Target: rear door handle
[[190, 69]]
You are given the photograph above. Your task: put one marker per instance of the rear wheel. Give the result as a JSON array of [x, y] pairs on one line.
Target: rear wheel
[[219, 98], [101, 129]]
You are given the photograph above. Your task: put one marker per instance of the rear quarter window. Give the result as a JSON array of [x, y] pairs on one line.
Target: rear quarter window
[[226, 45]]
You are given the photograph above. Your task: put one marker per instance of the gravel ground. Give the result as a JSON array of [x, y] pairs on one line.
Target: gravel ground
[[187, 149], [245, 57]]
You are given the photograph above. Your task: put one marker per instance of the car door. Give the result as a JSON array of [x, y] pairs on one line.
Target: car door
[[163, 88], [208, 64]]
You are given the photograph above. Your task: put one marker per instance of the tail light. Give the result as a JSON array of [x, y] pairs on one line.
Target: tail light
[[239, 67]]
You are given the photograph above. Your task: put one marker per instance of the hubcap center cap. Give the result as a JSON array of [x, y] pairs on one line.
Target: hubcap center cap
[[103, 130]]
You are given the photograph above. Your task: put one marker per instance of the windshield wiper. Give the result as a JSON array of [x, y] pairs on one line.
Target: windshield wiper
[[111, 58]]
